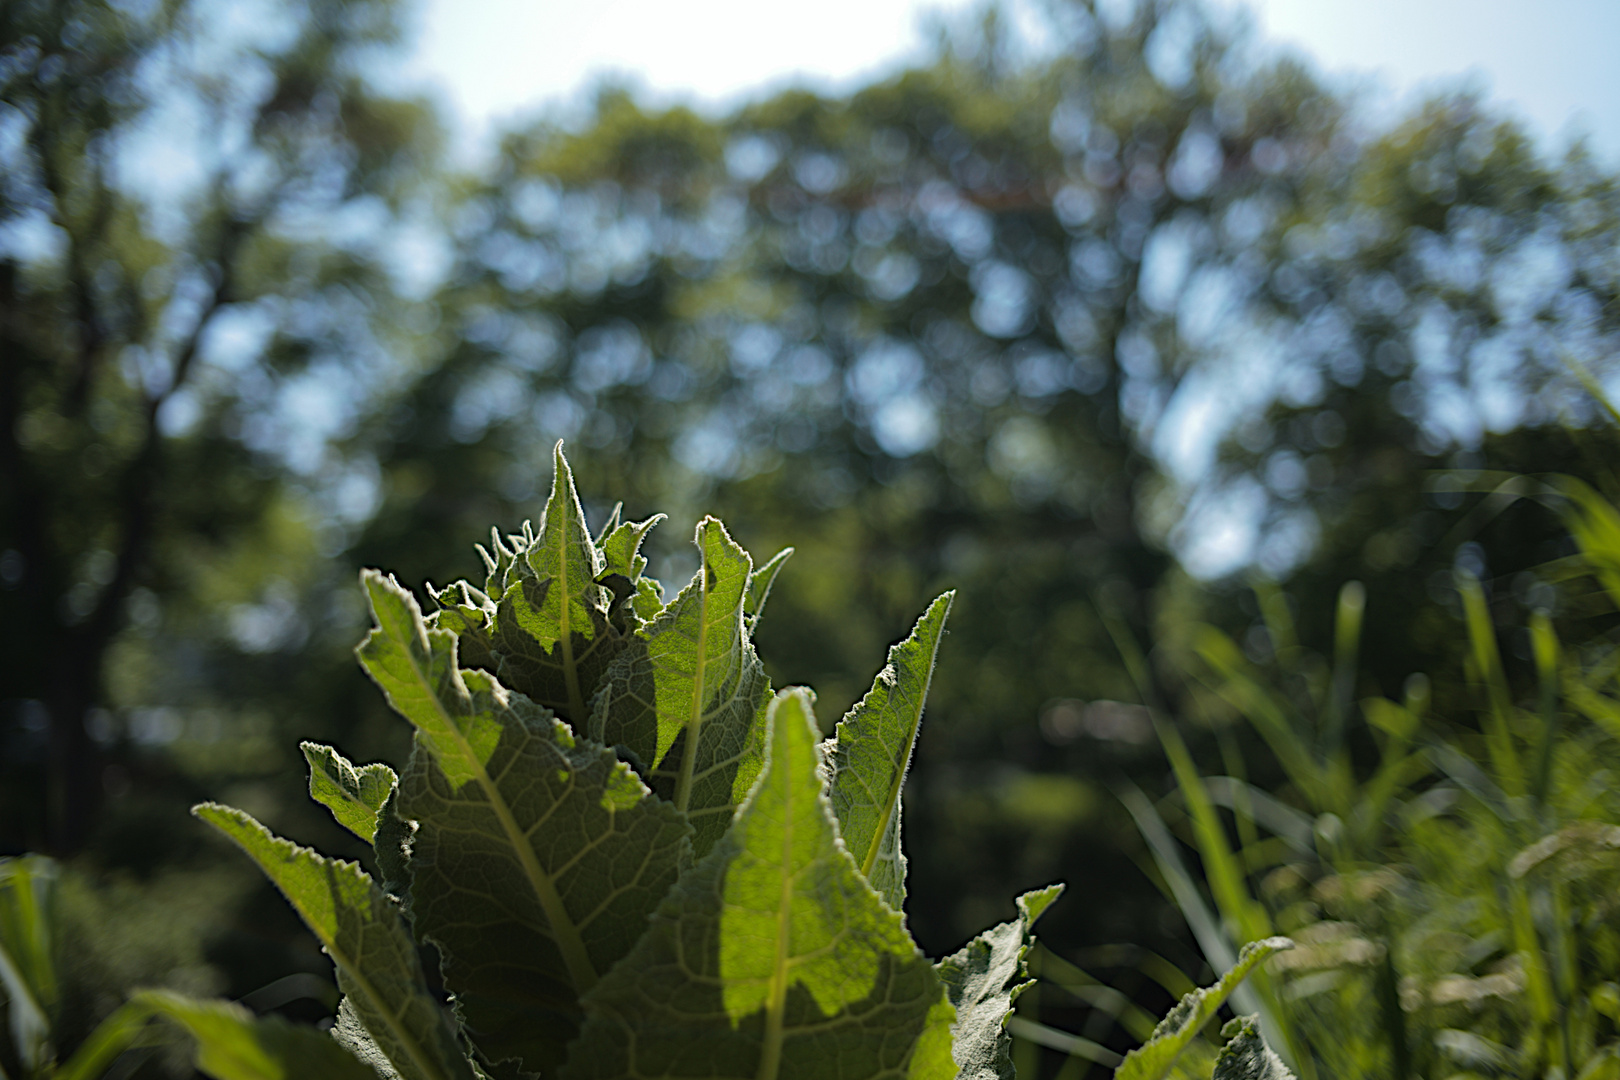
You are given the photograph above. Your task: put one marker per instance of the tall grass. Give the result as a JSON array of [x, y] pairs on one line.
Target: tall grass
[[1456, 898]]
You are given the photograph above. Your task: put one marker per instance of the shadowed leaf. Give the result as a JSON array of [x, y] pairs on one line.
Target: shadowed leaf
[[377, 964], [772, 956], [537, 859]]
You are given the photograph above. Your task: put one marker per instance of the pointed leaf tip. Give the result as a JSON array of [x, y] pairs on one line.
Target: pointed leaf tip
[[355, 796], [760, 582], [1032, 905], [984, 980], [871, 751], [688, 698], [1154, 1059]]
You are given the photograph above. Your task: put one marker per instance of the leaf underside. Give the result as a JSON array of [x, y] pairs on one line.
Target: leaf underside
[[983, 981], [1246, 1055], [1154, 1058]]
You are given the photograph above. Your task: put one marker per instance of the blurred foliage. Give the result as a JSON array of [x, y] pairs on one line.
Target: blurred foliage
[[1454, 903], [194, 201], [1089, 335]]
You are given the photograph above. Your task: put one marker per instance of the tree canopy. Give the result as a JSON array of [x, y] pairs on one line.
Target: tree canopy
[[1091, 337]]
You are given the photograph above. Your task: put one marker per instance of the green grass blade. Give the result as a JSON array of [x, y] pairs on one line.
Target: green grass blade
[[1488, 665], [1053, 1039], [1183, 889], [1236, 683], [232, 1044], [110, 1038], [1595, 524], [28, 954], [1544, 647], [1226, 878]]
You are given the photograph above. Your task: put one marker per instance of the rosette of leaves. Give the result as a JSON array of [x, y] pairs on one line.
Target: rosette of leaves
[[631, 855]]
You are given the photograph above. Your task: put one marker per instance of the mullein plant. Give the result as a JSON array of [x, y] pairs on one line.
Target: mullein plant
[[633, 858]]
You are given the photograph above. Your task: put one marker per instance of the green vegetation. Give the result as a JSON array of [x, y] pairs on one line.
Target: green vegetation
[[1143, 347], [588, 924], [1452, 898]]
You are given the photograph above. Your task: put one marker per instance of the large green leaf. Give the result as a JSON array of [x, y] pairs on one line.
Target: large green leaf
[[537, 859], [377, 963], [772, 957], [983, 981], [1154, 1058], [869, 753], [1246, 1055], [687, 700], [355, 796]]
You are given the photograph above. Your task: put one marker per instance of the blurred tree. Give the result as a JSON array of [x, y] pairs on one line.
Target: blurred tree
[[1037, 326], [193, 203], [1432, 309], [989, 325]]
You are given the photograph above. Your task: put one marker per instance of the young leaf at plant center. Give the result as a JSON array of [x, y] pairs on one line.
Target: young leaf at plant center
[[772, 956], [499, 568], [688, 698], [537, 859], [1154, 1058], [378, 967], [551, 631], [621, 548], [621, 554], [982, 982], [353, 795], [470, 615], [1246, 1055], [869, 753]]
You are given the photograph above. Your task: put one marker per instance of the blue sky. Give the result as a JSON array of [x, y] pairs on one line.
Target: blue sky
[[1553, 63]]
